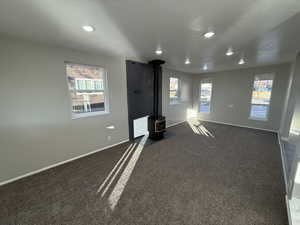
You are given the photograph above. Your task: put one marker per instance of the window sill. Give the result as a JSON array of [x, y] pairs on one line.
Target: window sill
[[90, 114], [258, 119], [175, 103]]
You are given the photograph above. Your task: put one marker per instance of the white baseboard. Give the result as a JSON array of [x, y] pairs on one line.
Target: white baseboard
[[60, 163], [174, 124], [230, 124], [237, 125], [285, 138], [283, 163], [288, 208]]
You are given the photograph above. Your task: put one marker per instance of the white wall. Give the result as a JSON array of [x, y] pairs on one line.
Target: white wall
[[231, 96], [36, 129], [289, 132], [177, 112], [295, 97], [288, 107]]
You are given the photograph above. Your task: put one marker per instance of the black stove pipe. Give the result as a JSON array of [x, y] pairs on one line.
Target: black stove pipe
[[157, 74], [156, 122]]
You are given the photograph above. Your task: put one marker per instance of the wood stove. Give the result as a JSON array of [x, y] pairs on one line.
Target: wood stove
[[157, 122]]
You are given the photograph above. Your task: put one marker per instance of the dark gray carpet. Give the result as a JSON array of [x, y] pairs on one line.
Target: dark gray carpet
[[233, 178]]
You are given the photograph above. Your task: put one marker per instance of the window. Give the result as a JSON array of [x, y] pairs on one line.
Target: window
[[87, 86], [261, 96], [174, 93], [205, 97]]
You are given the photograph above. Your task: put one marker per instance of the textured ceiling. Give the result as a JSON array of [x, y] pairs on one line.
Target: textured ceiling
[[263, 31]]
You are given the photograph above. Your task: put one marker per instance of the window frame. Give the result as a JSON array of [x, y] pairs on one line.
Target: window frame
[[178, 101], [105, 93], [85, 80], [271, 74], [205, 81]]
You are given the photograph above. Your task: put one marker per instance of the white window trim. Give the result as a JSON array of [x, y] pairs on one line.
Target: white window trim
[[199, 98], [178, 101], [268, 109], [88, 114], [106, 94]]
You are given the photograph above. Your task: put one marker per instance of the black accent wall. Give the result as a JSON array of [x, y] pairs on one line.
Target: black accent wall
[[140, 92]]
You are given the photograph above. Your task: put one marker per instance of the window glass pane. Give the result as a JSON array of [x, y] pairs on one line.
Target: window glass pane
[[261, 96], [205, 97], [262, 92], [98, 84], [80, 84], [174, 90], [259, 111], [89, 84], [173, 83], [86, 88]]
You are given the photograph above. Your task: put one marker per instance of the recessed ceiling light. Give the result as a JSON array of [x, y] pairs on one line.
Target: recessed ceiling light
[[209, 34], [205, 67], [242, 61], [88, 28], [229, 52], [187, 61], [111, 127], [158, 51]]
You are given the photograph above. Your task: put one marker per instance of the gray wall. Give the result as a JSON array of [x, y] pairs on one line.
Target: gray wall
[[176, 113], [36, 129], [290, 129], [295, 97], [231, 96], [294, 137], [288, 107]]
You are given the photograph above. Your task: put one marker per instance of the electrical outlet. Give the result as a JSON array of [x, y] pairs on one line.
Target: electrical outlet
[[108, 138]]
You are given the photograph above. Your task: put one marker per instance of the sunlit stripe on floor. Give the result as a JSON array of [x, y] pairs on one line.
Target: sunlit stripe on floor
[[117, 172], [207, 132], [202, 130], [119, 188], [199, 129], [115, 167], [193, 127]]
